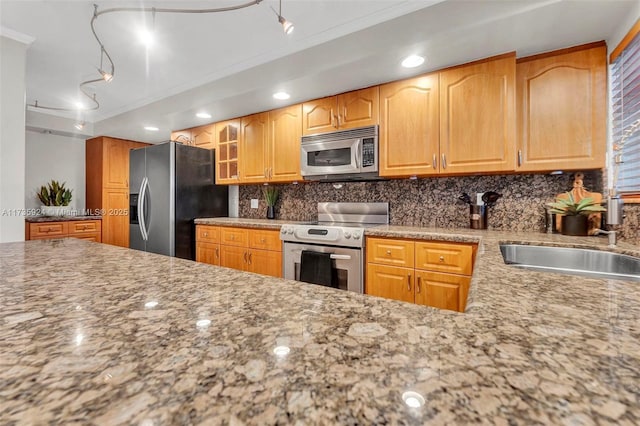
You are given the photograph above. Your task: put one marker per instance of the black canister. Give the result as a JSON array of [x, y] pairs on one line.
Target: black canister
[[478, 216]]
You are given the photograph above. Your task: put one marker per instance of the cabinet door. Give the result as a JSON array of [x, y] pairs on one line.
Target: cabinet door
[[285, 130], [234, 257], [204, 136], [390, 252], [444, 257], [319, 116], [390, 282], [227, 138], [443, 291], [183, 136], [115, 221], [116, 163], [562, 104], [477, 117], [359, 108], [208, 253], [254, 148], [410, 127], [265, 262]]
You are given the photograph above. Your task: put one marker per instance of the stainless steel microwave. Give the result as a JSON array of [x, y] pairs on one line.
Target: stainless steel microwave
[[341, 155]]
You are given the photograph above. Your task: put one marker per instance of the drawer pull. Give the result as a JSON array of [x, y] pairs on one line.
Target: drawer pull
[[233, 237], [388, 252], [206, 234], [262, 240], [441, 259]]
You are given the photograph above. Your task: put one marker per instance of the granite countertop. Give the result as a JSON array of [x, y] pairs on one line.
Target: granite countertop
[[119, 338], [244, 222], [39, 219]]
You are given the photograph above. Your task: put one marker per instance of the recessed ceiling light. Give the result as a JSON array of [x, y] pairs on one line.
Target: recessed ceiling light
[[145, 37], [412, 61], [203, 115], [79, 105], [281, 96], [151, 128]]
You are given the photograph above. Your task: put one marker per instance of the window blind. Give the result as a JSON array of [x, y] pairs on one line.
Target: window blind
[[625, 118]]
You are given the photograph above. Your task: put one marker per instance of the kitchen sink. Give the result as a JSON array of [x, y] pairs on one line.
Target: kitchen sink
[[575, 261]]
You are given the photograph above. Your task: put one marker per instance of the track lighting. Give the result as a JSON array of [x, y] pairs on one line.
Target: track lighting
[[106, 76], [287, 26]]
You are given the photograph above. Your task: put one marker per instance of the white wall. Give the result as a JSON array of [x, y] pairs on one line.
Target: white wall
[[51, 156], [12, 138]]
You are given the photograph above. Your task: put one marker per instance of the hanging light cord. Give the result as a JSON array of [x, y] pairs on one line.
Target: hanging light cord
[[105, 54]]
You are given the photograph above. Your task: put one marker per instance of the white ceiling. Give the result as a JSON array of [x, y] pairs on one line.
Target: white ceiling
[[229, 64]]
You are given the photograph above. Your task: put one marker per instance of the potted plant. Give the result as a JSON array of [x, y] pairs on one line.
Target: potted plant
[[270, 197], [54, 198], [575, 215]]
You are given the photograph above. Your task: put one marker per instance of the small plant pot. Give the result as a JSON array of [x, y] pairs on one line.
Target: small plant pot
[[575, 225], [271, 213]]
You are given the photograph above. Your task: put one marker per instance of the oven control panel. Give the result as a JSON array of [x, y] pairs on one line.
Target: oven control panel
[[322, 234]]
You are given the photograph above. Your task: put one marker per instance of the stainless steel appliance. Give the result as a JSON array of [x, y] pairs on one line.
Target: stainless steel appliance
[[340, 156], [339, 233], [170, 185]]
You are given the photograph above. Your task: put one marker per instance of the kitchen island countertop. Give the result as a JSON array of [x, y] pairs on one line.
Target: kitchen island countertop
[[91, 332]]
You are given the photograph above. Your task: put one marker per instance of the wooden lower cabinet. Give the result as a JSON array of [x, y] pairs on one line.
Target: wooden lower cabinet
[[436, 274], [252, 250], [82, 229]]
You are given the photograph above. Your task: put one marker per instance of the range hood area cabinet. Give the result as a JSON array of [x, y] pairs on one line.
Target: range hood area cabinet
[[270, 146], [107, 185], [562, 107], [350, 110], [457, 121]]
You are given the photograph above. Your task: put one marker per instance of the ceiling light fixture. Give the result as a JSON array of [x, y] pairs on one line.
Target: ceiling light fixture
[[412, 61], [281, 96], [287, 26], [151, 128], [203, 115], [79, 125], [108, 74]]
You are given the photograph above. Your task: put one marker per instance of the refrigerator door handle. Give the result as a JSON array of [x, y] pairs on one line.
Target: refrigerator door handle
[[141, 209]]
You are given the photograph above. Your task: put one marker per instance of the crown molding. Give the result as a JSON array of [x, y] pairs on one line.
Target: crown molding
[[16, 35]]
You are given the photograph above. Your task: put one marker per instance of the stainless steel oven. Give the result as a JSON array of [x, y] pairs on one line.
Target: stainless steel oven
[[345, 262], [342, 155]]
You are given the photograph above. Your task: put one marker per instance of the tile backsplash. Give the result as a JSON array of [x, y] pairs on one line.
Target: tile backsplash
[[434, 201]]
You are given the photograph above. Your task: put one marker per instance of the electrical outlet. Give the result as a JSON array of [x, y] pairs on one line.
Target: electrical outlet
[[254, 203]]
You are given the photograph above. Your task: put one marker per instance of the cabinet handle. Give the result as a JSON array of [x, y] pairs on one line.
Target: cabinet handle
[[519, 157], [418, 284], [441, 259], [388, 252], [444, 161], [339, 120], [206, 234], [245, 257], [435, 161], [262, 240], [217, 252], [233, 237], [408, 282], [334, 121], [250, 258]]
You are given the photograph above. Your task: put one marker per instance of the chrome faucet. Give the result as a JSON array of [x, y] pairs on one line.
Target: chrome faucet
[[614, 217], [610, 234]]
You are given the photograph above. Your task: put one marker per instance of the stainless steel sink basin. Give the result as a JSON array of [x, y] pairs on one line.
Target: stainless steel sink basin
[[575, 261]]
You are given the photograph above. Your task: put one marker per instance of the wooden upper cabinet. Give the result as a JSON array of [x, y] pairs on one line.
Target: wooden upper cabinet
[[226, 140], [477, 116], [319, 116], [183, 136], [254, 146], [203, 136], [358, 108], [562, 107], [116, 163], [285, 130], [409, 127], [345, 111]]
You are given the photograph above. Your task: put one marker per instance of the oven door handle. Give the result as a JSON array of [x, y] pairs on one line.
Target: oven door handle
[[333, 256]]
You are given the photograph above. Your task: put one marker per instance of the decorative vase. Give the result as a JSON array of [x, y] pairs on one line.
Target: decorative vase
[[577, 225], [271, 214], [55, 210]]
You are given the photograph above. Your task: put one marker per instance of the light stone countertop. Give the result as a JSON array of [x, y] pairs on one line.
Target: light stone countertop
[[77, 343], [244, 223], [42, 219]]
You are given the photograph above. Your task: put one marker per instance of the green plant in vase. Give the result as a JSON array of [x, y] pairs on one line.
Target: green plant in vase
[[575, 214], [54, 196], [270, 197]]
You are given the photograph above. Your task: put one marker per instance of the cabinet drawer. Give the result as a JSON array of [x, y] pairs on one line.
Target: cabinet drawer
[[444, 257], [84, 227], [390, 252], [49, 229], [265, 240], [89, 237], [234, 236], [207, 234]]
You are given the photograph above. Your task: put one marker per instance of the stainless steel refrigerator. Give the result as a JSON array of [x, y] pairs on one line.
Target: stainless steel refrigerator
[[170, 185]]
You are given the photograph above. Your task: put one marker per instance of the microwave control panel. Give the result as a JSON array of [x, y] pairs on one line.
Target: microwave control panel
[[368, 152]]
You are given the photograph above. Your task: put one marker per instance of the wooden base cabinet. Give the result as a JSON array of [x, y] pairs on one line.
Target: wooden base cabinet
[[420, 280], [253, 250], [83, 229]]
